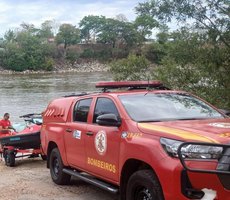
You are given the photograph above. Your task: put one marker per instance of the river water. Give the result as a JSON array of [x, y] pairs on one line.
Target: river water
[[31, 93]]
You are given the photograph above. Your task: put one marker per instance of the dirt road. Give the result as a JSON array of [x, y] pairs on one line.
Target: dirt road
[[30, 180]]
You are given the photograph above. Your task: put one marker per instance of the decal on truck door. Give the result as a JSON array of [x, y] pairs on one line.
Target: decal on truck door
[[77, 134], [102, 164], [130, 135], [101, 142]]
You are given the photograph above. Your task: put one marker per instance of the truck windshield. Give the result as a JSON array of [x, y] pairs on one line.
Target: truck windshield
[[166, 107]]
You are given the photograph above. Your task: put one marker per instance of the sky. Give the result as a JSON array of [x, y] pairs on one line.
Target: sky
[[15, 12]]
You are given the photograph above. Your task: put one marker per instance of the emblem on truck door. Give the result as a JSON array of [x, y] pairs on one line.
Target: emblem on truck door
[[101, 142]]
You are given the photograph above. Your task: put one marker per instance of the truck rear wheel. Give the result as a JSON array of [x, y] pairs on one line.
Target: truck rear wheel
[[144, 185], [56, 168]]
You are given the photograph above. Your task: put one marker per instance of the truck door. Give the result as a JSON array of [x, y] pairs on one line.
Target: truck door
[[76, 132], [103, 142]]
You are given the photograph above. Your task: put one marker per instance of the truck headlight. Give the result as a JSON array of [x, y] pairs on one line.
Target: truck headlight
[[170, 146], [193, 151]]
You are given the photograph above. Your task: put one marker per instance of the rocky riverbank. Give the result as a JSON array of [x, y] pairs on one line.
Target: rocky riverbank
[[61, 67]]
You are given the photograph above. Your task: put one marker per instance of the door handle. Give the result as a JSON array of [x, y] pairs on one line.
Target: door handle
[[68, 130], [89, 133]]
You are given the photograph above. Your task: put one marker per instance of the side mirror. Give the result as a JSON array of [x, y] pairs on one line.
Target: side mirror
[[108, 120], [226, 112]]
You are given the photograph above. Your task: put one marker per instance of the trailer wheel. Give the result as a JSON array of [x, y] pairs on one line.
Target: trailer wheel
[[144, 185], [56, 168], [9, 158]]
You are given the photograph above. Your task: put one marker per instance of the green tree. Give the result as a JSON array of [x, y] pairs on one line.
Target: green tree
[[90, 26], [163, 36], [144, 25], [29, 28], [46, 29], [121, 17], [206, 15], [27, 52], [117, 32], [1, 42], [10, 36], [197, 55], [193, 64], [68, 35], [109, 31], [131, 68]]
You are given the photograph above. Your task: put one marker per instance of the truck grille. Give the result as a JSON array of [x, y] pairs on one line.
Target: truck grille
[[224, 161], [224, 165]]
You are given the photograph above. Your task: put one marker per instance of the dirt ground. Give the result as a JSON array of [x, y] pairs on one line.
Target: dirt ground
[[30, 180]]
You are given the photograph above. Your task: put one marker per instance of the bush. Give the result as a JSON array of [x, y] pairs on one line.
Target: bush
[[154, 52], [48, 64], [72, 56], [103, 55], [131, 68], [13, 58], [28, 53], [120, 53], [87, 53]]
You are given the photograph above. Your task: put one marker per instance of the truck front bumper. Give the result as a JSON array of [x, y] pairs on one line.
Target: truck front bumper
[[189, 178]]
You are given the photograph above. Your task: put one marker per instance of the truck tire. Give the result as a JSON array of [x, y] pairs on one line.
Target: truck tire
[[144, 185], [56, 167], [9, 158]]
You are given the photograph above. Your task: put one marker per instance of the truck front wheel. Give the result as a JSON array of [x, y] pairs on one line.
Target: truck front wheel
[[144, 185], [56, 168]]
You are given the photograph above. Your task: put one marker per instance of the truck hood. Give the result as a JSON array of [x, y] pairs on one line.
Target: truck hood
[[214, 130]]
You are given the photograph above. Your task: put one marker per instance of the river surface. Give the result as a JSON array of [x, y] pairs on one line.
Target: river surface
[[31, 93]]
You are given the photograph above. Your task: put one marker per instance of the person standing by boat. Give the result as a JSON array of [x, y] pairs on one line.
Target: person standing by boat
[[5, 124]]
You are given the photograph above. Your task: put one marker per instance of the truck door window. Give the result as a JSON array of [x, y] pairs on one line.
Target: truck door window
[[81, 110], [104, 106]]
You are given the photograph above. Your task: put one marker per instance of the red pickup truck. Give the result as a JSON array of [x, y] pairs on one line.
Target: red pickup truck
[[141, 140]]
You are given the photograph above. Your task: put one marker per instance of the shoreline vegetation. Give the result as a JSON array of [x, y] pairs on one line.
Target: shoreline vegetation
[[84, 67], [194, 57]]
